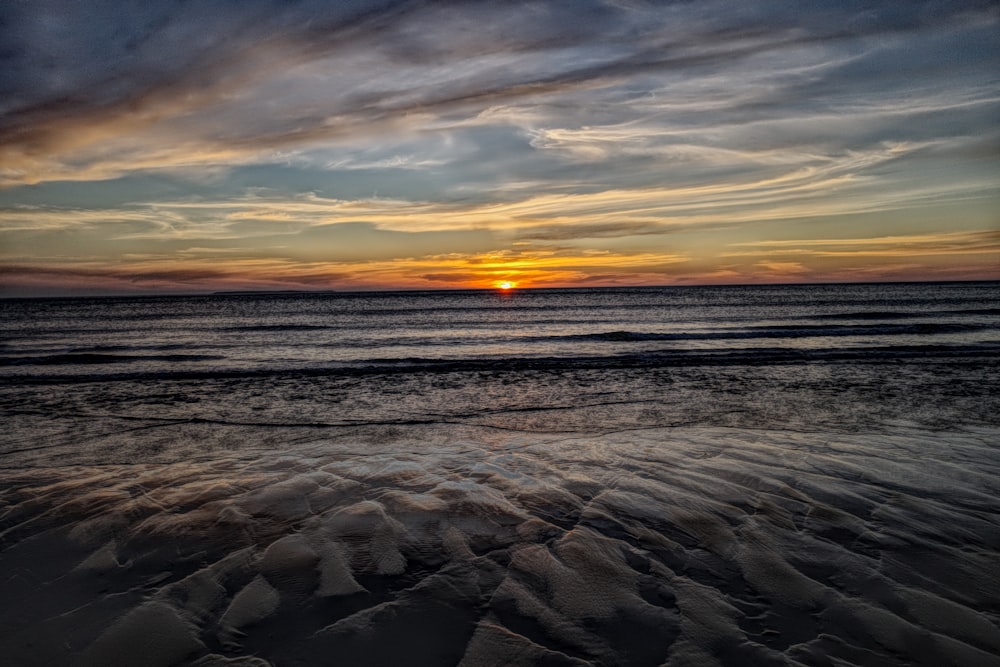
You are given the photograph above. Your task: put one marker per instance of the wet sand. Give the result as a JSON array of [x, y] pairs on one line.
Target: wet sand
[[683, 546]]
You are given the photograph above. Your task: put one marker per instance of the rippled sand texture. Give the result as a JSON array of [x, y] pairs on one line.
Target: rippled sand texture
[[655, 547]]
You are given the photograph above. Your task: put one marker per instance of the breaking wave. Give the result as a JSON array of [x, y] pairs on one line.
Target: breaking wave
[[90, 358]]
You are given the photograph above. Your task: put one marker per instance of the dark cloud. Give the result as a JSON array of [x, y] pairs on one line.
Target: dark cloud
[[159, 275], [607, 278], [15, 276], [569, 231], [319, 279], [175, 275], [67, 64], [27, 269], [72, 60], [454, 278]]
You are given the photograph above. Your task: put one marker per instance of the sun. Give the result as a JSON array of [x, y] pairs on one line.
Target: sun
[[506, 285]]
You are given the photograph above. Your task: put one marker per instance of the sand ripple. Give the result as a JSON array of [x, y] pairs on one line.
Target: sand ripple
[[655, 547]]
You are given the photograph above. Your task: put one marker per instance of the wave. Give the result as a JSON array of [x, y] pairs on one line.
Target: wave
[[902, 314], [752, 357], [792, 331], [278, 327], [88, 358]]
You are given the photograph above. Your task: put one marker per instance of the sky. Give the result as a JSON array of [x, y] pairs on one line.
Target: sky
[[189, 146]]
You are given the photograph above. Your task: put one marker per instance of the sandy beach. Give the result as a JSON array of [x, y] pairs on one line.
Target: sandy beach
[[646, 547]]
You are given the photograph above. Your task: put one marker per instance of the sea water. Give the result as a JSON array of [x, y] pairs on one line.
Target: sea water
[[633, 476]]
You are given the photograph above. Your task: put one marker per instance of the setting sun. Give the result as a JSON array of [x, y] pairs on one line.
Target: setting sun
[[505, 285]]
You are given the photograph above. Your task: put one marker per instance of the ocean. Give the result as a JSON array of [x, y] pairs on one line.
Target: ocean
[[739, 475]]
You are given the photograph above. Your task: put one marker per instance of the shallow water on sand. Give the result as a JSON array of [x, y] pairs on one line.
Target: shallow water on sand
[[735, 476]]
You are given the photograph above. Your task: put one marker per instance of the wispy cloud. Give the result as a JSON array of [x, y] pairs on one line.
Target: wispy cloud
[[127, 85], [985, 243]]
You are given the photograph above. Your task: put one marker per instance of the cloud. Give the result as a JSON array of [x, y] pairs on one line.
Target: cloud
[[20, 279], [783, 268], [570, 231], [96, 90], [227, 230], [457, 278], [164, 274], [977, 242], [135, 276], [961, 255]]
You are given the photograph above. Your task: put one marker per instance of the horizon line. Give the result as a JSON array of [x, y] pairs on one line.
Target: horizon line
[[496, 290]]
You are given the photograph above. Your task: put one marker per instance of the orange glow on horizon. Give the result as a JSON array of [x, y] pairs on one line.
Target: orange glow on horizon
[[957, 255]]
